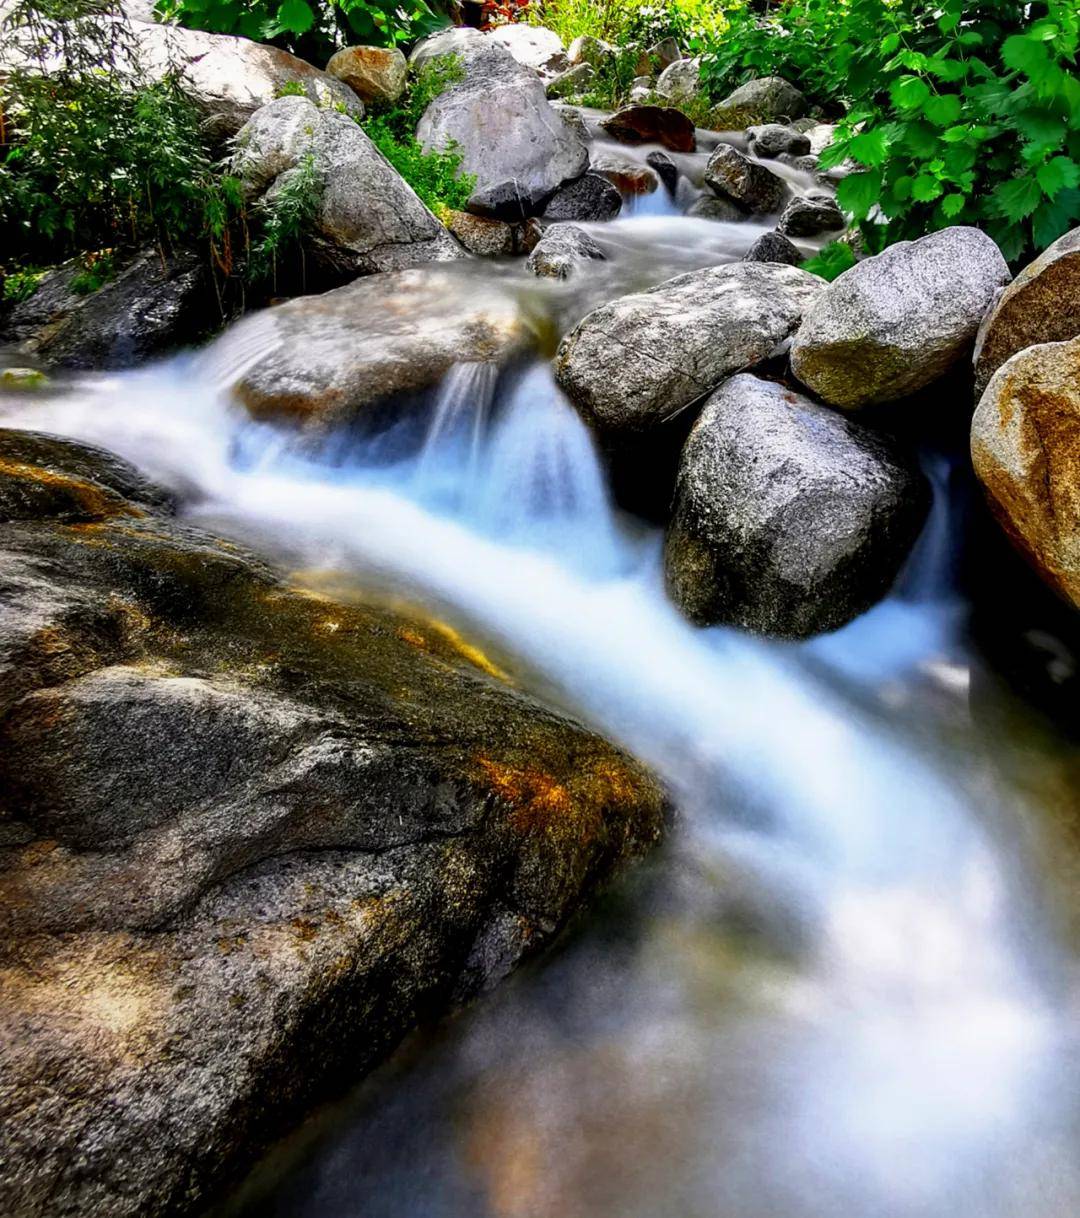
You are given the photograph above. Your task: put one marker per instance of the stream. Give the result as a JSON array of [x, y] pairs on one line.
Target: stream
[[845, 987]]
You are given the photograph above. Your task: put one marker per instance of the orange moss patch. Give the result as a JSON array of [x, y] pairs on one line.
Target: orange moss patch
[[89, 498], [537, 798]]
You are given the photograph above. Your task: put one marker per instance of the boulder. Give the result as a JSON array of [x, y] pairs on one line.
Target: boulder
[[894, 323], [591, 197], [773, 247], [1041, 305], [638, 360], [456, 40], [532, 46], [641, 90], [652, 125], [338, 357], [519, 148], [375, 74], [1025, 446], [153, 305], [631, 177], [789, 519], [562, 250], [772, 139], [252, 835], [666, 169], [653, 60], [680, 81], [586, 49], [366, 218], [808, 216], [710, 207], [572, 82], [767, 100], [748, 183], [480, 236]]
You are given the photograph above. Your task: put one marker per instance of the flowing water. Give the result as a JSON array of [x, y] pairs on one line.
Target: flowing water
[[842, 989]]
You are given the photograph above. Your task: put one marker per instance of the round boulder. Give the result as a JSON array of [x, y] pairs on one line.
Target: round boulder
[[773, 247], [772, 139], [808, 216], [591, 197], [375, 74], [562, 250], [744, 181], [766, 100], [662, 125]]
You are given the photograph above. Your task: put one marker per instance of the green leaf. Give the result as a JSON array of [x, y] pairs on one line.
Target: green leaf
[[909, 92], [955, 135], [859, 192], [1025, 54], [870, 147], [295, 17], [952, 206], [925, 188], [942, 110], [1054, 217], [1056, 174], [889, 44], [1016, 199]]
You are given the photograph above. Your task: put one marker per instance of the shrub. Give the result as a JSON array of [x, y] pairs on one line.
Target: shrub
[[631, 24]]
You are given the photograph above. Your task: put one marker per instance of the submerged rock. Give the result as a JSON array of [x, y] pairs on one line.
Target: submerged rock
[[251, 836], [375, 74], [789, 519], [562, 250], [1041, 305], [666, 170], [332, 358], [895, 323], [711, 207], [662, 125], [591, 197], [639, 360], [755, 188], [1025, 446], [366, 218], [769, 99]]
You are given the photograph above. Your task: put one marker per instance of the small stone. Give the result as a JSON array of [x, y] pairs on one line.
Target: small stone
[[588, 50], [631, 177], [23, 378], [712, 207], [666, 168], [573, 82], [806, 217], [772, 139], [479, 235], [773, 247], [680, 81]]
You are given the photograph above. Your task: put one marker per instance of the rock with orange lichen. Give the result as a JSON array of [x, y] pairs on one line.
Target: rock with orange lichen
[[250, 835], [1025, 445]]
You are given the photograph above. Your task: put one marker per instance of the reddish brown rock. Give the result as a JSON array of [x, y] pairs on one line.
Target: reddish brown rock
[[652, 125], [375, 74]]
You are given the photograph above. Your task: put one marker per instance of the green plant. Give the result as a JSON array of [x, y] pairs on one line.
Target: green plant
[[831, 260], [97, 269], [20, 284], [283, 217], [291, 88], [630, 24]]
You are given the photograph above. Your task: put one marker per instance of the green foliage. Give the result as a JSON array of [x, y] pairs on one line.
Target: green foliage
[[283, 217], [632, 25], [831, 261], [97, 270], [291, 88], [20, 285]]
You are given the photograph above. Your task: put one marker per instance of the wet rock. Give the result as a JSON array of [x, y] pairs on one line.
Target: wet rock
[[680, 81], [1041, 305], [339, 356], [666, 169], [631, 177], [532, 46], [480, 236], [805, 164], [772, 139], [573, 118], [589, 50], [789, 519], [639, 360], [572, 82], [527, 235], [1025, 446], [711, 207], [809, 216], [769, 99], [653, 60], [367, 218], [748, 183], [591, 197], [375, 74], [151, 306], [509, 137], [662, 125], [252, 835], [895, 323], [773, 247], [563, 250]]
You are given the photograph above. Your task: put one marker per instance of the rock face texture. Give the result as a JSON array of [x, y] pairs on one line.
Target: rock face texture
[[745, 182], [1041, 305], [895, 323], [662, 125], [249, 836], [333, 358], [808, 216], [479, 235], [591, 197], [518, 147], [789, 519], [1025, 445], [562, 250], [375, 74], [638, 360], [772, 139], [148, 309], [532, 46], [773, 247], [767, 100], [367, 218], [680, 81]]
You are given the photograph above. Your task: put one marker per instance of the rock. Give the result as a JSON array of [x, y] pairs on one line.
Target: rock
[[1041, 305], [456, 40], [652, 61], [528, 234], [789, 519], [572, 118], [769, 99], [367, 218], [562, 250], [509, 136], [773, 247], [652, 125], [893, 324], [485, 238], [638, 360], [251, 836], [1025, 446], [820, 135], [806, 217], [532, 46], [339, 356], [631, 177], [666, 169], [680, 81], [710, 207], [23, 378], [641, 90], [805, 164], [748, 183], [591, 197], [572, 82], [375, 74], [772, 139], [149, 308], [592, 51]]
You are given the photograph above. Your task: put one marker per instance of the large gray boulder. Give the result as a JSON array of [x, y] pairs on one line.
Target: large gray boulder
[[1041, 305], [367, 218], [455, 40], [336, 358], [789, 518], [1025, 446], [518, 147], [533, 47], [895, 323], [639, 360], [562, 251], [766, 100], [749, 184], [250, 835]]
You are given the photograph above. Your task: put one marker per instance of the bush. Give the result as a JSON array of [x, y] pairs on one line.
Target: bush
[[631, 24]]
